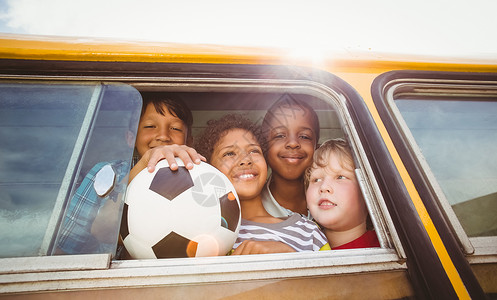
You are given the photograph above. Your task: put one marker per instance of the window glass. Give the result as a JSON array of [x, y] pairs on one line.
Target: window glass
[[39, 125], [40, 128], [459, 142]]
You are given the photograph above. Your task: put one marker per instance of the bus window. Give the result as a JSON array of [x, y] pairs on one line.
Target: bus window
[[46, 130], [103, 129], [254, 104], [447, 120], [212, 105], [458, 139]]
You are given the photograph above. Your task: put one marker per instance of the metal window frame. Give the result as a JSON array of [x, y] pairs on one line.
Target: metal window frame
[[390, 257], [438, 88]]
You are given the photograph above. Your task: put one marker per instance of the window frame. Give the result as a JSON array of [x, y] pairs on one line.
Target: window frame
[[390, 258], [457, 89], [476, 250], [471, 269]]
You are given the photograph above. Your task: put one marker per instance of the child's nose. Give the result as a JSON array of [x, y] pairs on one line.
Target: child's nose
[[328, 190], [326, 186], [163, 135], [245, 160], [292, 142]]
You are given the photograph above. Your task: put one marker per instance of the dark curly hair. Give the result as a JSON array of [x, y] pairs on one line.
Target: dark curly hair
[[217, 129]]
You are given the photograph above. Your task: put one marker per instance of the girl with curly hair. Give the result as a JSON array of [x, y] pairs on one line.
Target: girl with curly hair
[[234, 145]]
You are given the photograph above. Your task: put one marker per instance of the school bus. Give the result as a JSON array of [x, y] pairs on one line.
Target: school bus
[[423, 132]]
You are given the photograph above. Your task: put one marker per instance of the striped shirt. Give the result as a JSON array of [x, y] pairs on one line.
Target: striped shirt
[[296, 231]]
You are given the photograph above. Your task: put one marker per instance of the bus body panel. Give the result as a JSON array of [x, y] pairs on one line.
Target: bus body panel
[[434, 266]]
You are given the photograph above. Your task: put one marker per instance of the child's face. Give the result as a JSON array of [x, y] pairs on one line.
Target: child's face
[[291, 142], [334, 198], [239, 156], [155, 130]]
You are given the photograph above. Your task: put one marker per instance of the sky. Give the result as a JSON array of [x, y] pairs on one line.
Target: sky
[[448, 28]]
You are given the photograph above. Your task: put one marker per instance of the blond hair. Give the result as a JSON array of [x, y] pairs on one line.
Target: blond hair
[[338, 146], [341, 148]]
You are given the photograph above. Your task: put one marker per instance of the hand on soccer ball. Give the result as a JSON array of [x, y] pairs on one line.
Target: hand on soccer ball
[[168, 152]]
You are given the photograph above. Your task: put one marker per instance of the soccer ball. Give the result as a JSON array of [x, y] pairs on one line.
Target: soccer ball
[[183, 213]]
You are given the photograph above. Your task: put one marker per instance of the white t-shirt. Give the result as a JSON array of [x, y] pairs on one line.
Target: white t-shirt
[[273, 207]]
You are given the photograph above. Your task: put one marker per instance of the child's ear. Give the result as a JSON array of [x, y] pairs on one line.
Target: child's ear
[[130, 139]]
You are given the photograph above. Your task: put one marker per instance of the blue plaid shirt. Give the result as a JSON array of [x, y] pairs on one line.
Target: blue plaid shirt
[[75, 234]]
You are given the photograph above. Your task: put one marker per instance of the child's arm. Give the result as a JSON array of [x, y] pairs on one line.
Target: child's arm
[[262, 247], [188, 155]]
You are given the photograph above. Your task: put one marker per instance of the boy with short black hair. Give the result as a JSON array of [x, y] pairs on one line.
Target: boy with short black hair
[[89, 222]]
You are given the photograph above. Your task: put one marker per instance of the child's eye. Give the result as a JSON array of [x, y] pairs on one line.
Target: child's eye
[[177, 129], [257, 151], [305, 137], [229, 153], [316, 179], [279, 136], [341, 177], [149, 126]]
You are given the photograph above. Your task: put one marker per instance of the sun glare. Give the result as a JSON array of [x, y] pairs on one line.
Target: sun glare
[[313, 55]]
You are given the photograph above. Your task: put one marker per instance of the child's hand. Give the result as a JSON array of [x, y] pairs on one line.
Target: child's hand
[[150, 159], [188, 155], [262, 247]]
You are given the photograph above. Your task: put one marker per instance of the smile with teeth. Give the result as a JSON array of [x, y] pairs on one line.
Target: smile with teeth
[[326, 203], [246, 175]]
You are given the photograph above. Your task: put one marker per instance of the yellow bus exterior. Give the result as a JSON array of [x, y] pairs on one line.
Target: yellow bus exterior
[[359, 70]]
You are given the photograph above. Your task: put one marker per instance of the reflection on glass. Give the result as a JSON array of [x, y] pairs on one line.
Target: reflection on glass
[[39, 125], [459, 141], [92, 218]]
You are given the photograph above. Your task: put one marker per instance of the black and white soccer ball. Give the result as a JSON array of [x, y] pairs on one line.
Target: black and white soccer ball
[[183, 213]]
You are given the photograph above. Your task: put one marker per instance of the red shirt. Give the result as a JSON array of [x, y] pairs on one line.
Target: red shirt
[[367, 240]]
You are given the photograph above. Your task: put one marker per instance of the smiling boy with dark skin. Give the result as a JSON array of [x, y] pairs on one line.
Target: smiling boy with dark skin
[[292, 130]]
